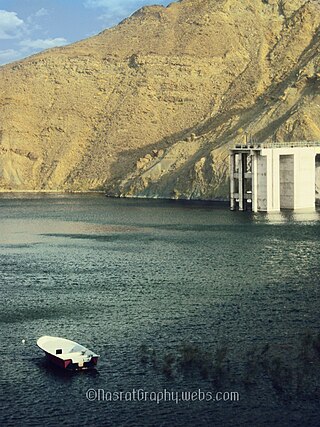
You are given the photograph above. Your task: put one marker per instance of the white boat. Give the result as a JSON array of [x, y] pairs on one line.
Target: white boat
[[67, 354]]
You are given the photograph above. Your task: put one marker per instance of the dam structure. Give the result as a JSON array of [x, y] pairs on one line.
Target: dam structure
[[269, 177]]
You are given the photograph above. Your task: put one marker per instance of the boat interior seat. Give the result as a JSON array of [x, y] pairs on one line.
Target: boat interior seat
[[74, 356]]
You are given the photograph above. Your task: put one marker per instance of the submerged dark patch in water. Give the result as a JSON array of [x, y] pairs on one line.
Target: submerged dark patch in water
[[101, 238]]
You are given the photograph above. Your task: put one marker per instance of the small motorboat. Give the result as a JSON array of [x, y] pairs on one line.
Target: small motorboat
[[67, 354]]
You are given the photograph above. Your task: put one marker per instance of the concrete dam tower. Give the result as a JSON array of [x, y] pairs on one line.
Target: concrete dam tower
[[270, 177]]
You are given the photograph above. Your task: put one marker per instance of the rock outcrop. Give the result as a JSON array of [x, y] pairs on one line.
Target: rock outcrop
[[150, 107]]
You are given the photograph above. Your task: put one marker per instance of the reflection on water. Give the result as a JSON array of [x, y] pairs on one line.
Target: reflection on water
[[115, 274], [288, 216]]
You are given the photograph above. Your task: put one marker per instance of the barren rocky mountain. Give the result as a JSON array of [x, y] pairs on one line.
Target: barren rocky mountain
[[151, 106]]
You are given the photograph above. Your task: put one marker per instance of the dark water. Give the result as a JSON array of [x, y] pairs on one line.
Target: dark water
[[115, 274]]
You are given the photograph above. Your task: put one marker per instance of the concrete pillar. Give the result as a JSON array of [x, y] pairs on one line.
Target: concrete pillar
[[304, 179], [287, 181], [262, 194], [232, 183], [241, 183], [254, 194], [317, 176], [273, 184], [276, 181]]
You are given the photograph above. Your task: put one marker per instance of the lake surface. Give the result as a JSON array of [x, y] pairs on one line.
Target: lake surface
[[116, 275]]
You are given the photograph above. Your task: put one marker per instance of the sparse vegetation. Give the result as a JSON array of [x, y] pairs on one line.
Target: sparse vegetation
[[290, 371], [187, 359]]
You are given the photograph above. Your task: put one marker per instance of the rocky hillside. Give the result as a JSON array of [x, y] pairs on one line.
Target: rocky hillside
[[151, 106]]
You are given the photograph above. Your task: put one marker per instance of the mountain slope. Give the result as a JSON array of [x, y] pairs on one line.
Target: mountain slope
[[150, 107]]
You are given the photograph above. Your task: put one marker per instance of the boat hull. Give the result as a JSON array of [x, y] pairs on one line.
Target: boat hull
[[67, 364]]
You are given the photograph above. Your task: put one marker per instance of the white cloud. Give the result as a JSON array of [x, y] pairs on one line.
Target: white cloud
[[41, 12], [122, 5], [10, 25], [115, 11], [8, 55], [100, 3], [42, 43], [35, 17], [29, 47], [23, 36], [114, 14]]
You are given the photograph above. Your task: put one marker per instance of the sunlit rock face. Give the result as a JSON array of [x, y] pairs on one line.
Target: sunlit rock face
[[150, 107]]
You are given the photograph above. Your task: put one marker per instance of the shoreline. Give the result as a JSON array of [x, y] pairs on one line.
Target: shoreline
[[62, 192], [49, 191]]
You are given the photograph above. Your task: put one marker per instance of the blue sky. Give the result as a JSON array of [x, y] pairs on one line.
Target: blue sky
[[29, 26]]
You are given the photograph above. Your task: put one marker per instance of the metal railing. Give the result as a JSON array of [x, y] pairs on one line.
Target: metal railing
[[294, 144]]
